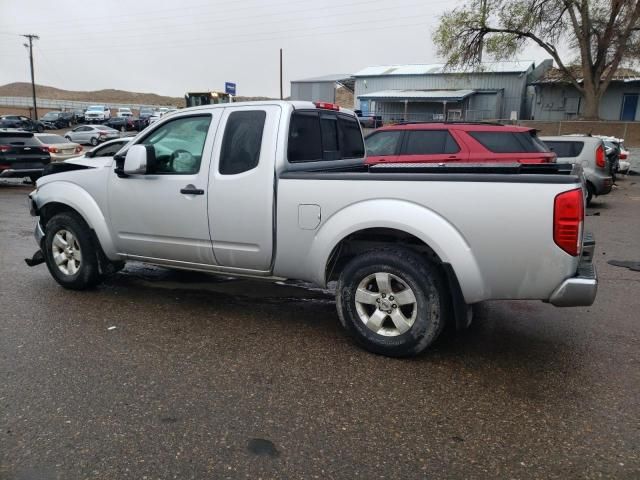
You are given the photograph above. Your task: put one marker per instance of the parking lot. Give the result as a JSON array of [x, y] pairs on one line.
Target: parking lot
[[160, 374]]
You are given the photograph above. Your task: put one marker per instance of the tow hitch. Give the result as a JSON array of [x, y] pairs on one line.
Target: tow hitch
[[37, 259]]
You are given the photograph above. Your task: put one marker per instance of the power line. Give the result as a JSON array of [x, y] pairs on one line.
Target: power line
[[233, 25], [287, 33]]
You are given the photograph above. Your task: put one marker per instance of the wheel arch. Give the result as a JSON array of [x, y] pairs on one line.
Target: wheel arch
[[381, 222], [77, 200]]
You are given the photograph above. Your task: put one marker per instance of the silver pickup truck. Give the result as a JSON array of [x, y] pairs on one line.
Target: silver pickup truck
[[278, 190]]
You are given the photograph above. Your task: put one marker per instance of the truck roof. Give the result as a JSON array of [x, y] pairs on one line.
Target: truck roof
[[296, 104]]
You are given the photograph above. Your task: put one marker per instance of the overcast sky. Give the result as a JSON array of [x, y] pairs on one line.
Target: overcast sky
[[171, 47]]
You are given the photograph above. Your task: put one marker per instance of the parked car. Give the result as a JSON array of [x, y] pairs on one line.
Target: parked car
[[410, 251], [78, 116], [21, 155], [589, 152], [59, 147], [122, 124], [368, 121], [106, 149], [145, 113], [155, 116], [93, 134], [23, 123], [97, 113], [456, 142], [69, 117], [124, 112], [139, 124], [55, 120]]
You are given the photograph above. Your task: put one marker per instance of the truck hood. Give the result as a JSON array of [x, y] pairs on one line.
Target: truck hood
[[77, 170]]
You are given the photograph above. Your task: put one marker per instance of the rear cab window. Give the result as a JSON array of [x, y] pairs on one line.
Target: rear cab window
[[320, 135], [509, 142]]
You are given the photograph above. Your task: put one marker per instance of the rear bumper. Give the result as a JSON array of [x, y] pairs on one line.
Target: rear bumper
[[581, 289], [18, 173], [602, 183]]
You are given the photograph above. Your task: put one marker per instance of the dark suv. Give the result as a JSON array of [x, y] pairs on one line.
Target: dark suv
[[456, 142], [21, 155]]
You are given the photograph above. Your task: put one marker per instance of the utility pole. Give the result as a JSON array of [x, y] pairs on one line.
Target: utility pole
[[281, 94], [31, 38]]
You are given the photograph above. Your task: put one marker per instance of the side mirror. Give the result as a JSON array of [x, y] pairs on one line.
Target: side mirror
[[140, 160], [90, 154]]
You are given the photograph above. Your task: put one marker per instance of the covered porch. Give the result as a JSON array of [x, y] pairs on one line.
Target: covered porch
[[396, 106]]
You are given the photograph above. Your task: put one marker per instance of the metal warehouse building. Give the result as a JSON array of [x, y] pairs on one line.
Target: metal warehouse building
[[429, 92], [329, 88]]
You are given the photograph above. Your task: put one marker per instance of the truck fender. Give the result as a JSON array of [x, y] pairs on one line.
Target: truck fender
[[425, 224], [77, 198]]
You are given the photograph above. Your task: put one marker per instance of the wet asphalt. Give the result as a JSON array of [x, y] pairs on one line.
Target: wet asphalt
[[168, 375]]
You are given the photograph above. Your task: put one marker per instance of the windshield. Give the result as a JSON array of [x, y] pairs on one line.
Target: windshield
[[96, 107], [51, 116]]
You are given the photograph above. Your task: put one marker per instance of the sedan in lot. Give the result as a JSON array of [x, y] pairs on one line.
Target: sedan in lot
[[107, 149], [92, 134], [59, 147], [122, 124]]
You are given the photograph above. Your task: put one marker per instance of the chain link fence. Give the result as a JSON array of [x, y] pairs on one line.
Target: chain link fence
[[27, 102]]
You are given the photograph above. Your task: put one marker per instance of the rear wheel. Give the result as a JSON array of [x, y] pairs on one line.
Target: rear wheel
[[68, 138], [94, 141], [40, 128], [70, 253], [392, 302]]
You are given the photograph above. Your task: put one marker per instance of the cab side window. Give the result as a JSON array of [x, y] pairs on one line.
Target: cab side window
[[242, 142], [178, 145]]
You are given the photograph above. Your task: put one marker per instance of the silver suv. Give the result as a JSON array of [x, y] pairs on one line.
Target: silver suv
[[588, 152]]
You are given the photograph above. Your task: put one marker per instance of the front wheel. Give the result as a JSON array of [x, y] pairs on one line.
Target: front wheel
[[392, 302], [70, 252], [93, 141], [40, 128]]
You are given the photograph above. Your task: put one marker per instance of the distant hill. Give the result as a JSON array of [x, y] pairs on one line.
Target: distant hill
[[23, 89]]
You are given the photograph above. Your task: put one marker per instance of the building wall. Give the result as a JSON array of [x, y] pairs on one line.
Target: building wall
[[513, 86], [554, 102], [314, 91]]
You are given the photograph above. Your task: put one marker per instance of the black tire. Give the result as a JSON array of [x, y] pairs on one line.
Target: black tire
[[68, 138], [590, 193], [39, 128], [93, 141], [88, 272], [414, 272], [34, 177]]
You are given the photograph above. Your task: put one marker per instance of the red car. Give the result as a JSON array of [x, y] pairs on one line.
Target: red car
[[456, 142]]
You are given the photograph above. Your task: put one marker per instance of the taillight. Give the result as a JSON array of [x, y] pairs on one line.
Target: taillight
[[53, 149], [600, 156], [5, 148], [327, 106], [568, 215], [623, 155], [78, 148]]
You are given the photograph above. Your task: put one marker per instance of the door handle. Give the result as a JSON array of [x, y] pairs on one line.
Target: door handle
[[191, 190]]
